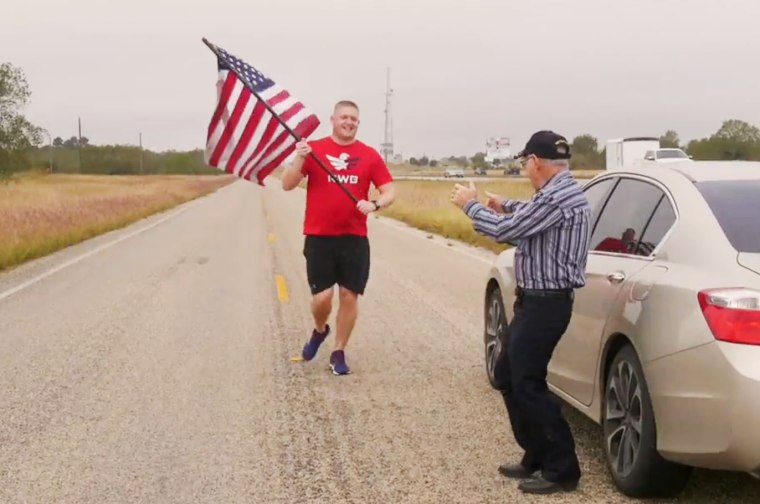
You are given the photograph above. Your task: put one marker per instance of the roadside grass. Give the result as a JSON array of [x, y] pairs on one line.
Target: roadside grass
[[424, 204], [407, 170], [40, 213]]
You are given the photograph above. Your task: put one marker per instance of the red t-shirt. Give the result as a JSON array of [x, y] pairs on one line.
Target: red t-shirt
[[329, 210], [614, 245]]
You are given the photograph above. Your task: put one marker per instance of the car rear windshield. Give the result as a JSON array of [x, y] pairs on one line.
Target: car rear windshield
[[671, 154], [736, 205]]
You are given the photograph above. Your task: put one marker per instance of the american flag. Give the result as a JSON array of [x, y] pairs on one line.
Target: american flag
[[244, 138]]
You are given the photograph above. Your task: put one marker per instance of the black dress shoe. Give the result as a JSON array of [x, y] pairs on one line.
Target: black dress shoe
[[516, 471], [539, 485]]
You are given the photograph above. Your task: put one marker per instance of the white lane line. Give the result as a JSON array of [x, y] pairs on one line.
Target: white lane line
[[8, 293]]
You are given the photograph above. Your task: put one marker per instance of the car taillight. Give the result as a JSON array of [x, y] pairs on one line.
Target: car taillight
[[733, 315]]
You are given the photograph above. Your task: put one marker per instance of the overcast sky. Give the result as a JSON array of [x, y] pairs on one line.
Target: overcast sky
[[461, 70]]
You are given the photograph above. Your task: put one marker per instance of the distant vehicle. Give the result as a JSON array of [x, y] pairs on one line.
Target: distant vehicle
[[666, 155], [453, 172], [512, 170], [626, 152], [480, 171]]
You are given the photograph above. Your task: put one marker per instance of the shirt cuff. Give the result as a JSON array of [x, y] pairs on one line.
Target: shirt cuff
[[471, 208]]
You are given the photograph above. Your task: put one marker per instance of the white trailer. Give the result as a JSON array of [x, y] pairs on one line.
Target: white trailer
[[622, 152]]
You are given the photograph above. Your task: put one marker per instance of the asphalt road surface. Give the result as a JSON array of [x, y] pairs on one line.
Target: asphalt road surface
[[152, 364]]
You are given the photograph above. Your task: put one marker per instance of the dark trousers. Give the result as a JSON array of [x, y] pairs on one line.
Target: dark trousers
[[534, 413]]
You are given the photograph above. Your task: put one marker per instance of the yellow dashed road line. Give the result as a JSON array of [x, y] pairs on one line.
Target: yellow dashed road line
[[282, 288]]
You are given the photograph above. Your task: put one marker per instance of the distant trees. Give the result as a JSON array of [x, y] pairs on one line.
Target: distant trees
[[21, 143], [17, 134], [121, 160], [585, 153], [479, 160], [74, 141], [461, 161], [670, 140], [735, 140], [423, 161]]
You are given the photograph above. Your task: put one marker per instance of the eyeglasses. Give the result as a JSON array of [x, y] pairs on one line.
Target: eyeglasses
[[524, 161]]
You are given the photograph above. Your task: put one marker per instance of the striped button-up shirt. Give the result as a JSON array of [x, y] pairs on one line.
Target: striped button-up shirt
[[551, 230]]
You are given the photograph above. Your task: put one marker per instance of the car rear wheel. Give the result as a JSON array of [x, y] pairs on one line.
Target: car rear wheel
[[495, 334], [630, 434]]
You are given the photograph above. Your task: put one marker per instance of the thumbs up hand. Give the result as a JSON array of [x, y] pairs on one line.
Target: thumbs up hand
[[495, 202], [460, 194]]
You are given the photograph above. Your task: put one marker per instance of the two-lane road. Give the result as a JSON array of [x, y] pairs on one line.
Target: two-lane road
[[152, 365]]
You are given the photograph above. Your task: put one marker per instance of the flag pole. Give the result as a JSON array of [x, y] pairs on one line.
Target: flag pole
[[213, 49]]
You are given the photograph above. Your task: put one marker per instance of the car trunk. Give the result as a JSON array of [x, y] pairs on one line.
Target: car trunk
[[749, 261]]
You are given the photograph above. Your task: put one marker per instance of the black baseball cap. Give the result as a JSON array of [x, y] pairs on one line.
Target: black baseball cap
[[546, 144]]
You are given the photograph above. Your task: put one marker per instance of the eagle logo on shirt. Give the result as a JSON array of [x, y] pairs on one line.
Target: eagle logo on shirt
[[342, 162]]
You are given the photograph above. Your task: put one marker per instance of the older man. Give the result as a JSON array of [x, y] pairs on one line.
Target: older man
[[552, 235]]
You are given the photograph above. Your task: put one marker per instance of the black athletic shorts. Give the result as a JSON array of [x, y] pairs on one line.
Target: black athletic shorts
[[340, 259]]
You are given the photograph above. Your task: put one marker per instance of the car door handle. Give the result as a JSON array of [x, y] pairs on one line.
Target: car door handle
[[616, 277]]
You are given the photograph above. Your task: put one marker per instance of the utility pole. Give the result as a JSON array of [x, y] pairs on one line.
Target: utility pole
[[387, 145], [79, 143], [141, 154], [50, 152]]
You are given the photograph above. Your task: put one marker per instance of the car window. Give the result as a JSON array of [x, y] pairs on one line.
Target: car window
[[662, 220], [671, 154], [624, 218], [596, 194], [736, 205]]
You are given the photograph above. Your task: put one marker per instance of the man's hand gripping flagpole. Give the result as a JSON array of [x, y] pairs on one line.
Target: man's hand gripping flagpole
[[297, 137]]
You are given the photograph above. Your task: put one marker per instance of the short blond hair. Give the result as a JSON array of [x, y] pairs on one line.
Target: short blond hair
[[346, 103]]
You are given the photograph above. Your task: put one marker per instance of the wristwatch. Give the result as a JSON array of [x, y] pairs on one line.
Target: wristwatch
[[377, 205]]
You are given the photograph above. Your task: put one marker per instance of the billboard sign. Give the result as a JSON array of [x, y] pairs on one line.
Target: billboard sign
[[497, 149]]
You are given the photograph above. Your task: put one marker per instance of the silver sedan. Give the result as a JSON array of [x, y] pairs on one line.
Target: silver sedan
[[663, 348]]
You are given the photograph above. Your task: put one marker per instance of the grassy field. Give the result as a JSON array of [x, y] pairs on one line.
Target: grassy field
[[437, 171], [425, 205], [40, 214]]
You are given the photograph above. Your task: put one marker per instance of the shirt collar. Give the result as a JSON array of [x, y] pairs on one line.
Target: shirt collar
[[556, 179]]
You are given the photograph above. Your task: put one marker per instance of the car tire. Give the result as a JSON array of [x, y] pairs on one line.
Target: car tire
[[495, 335], [630, 434]]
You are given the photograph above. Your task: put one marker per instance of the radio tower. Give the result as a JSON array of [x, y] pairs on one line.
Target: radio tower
[[387, 146]]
